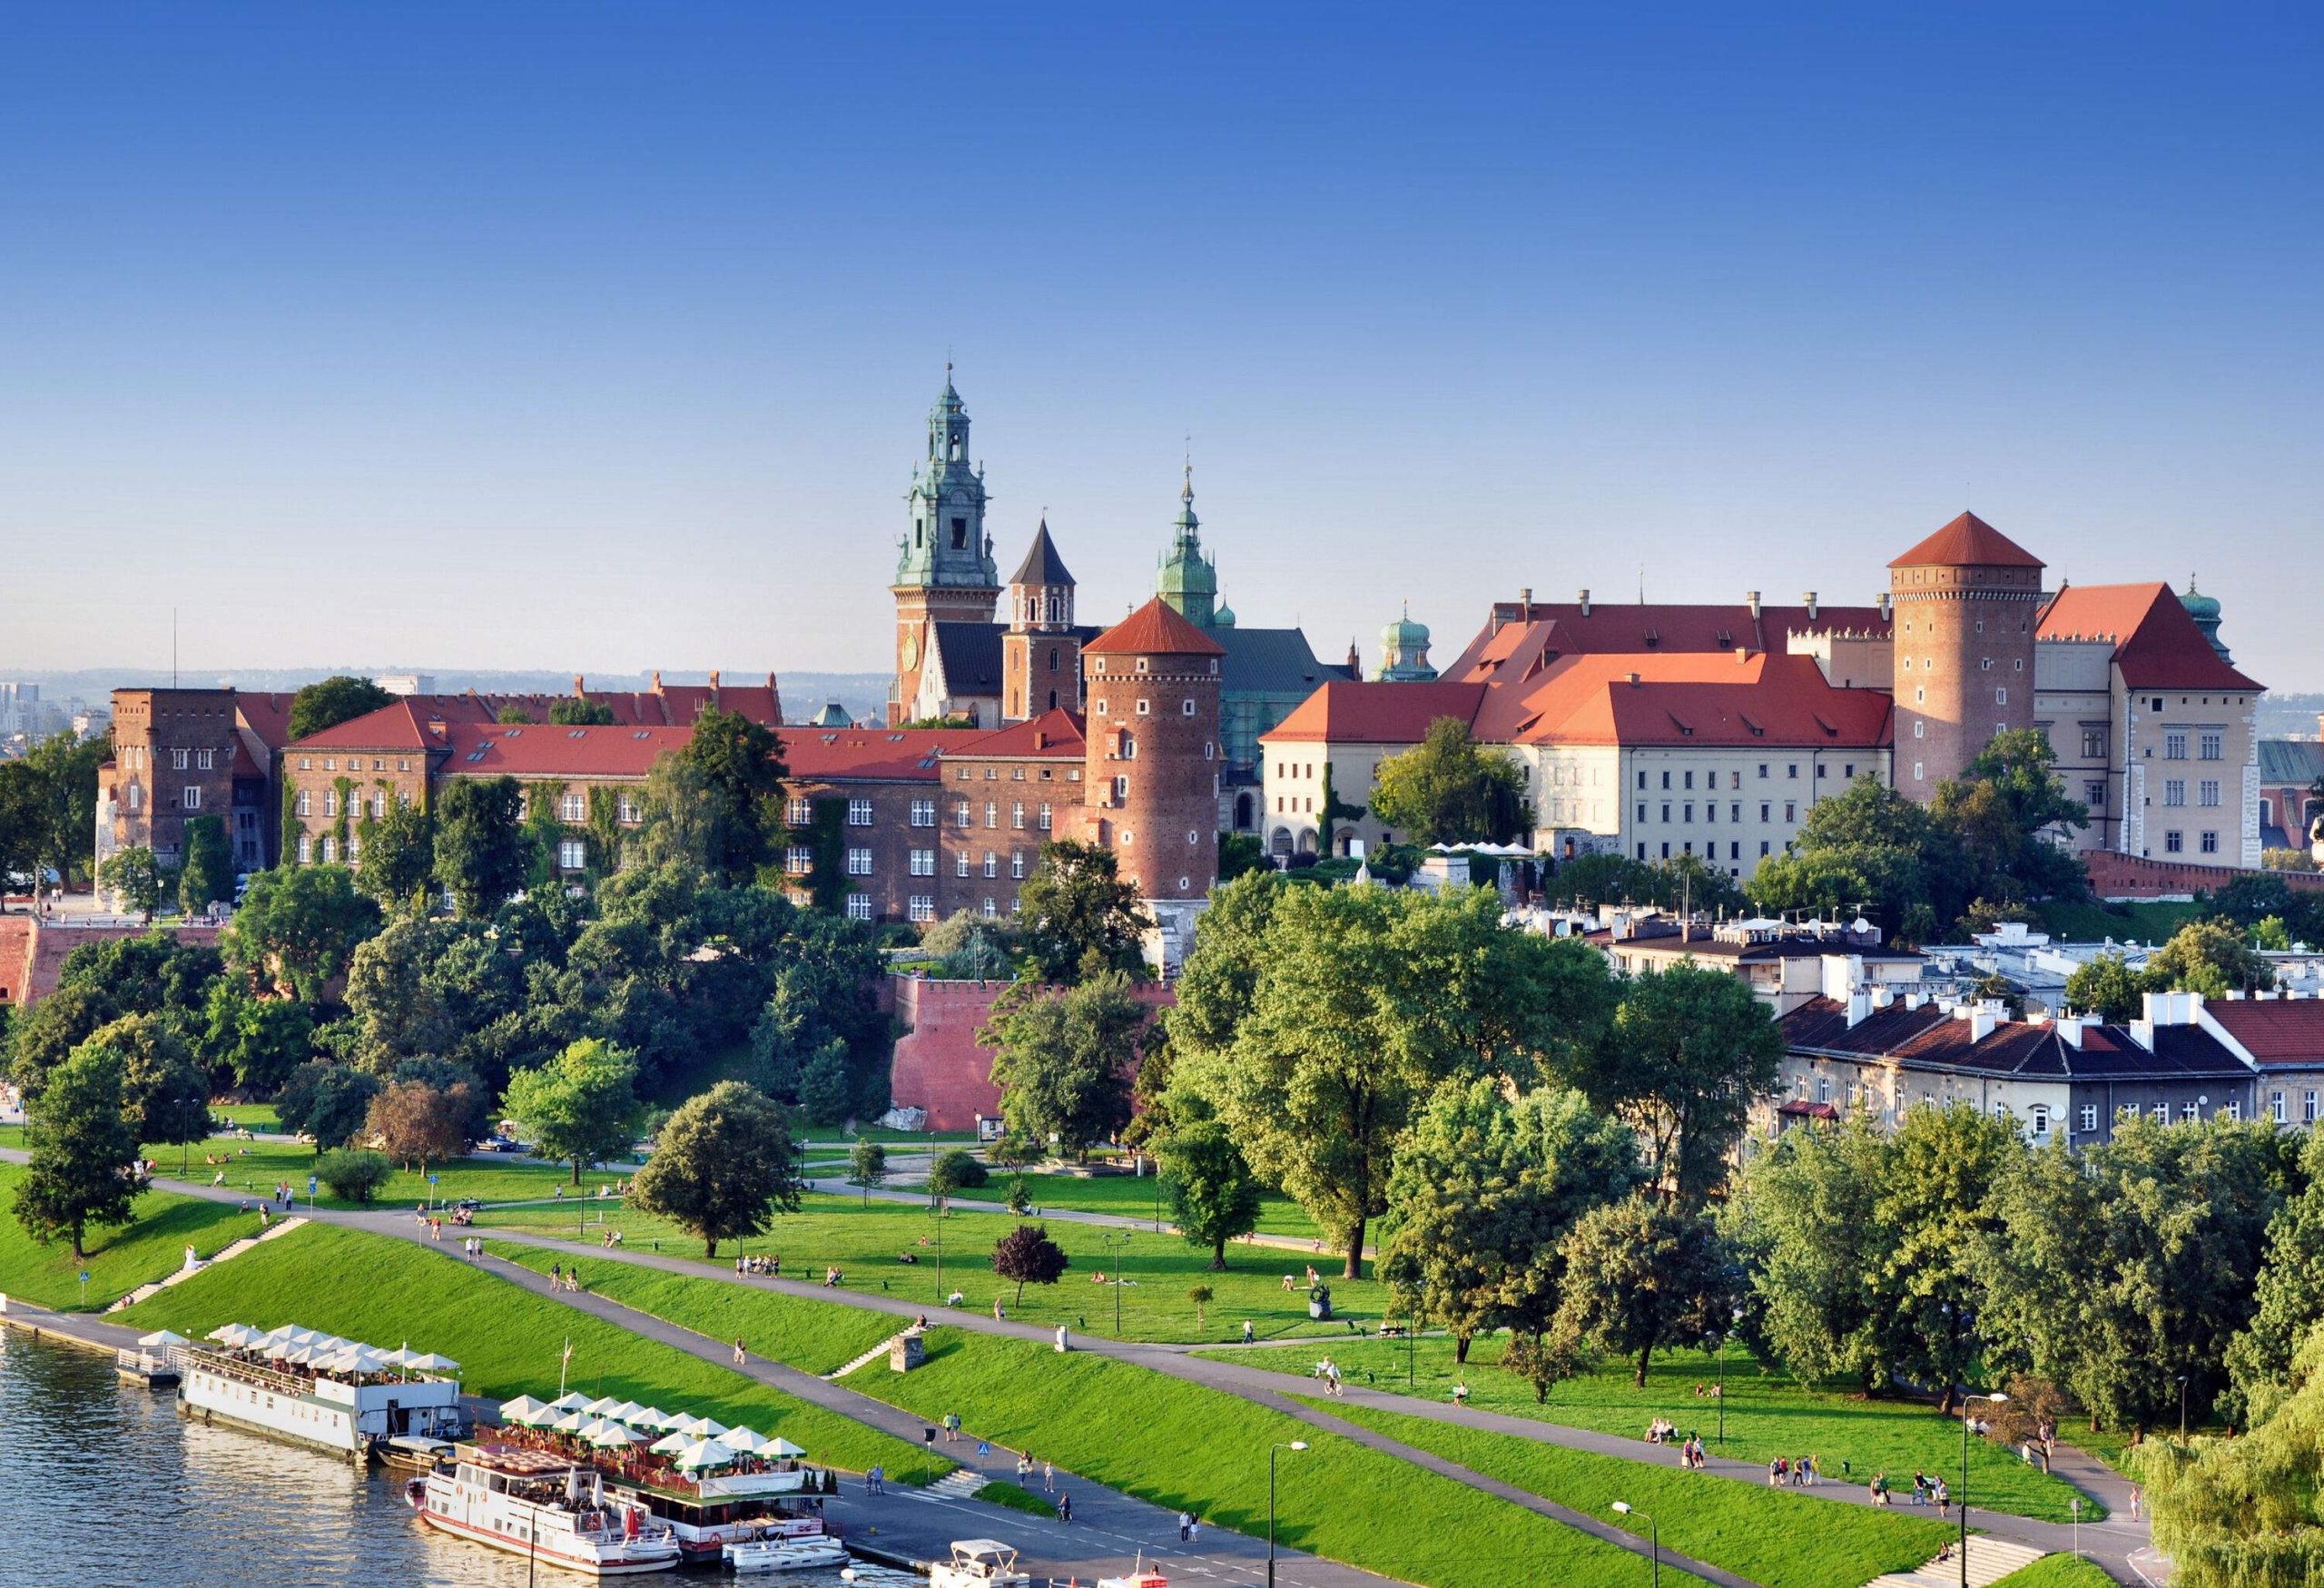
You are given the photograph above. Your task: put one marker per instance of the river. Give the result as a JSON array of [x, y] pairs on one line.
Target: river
[[103, 1486]]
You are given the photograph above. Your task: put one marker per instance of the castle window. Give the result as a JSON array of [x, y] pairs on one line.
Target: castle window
[[859, 907], [1145, 706], [960, 526], [2209, 844], [1187, 706], [190, 797], [2174, 745], [960, 813], [2211, 745], [798, 860], [1043, 818], [1017, 863], [992, 813], [1016, 815], [922, 907], [859, 812], [572, 855], [202, 758], [573, 807], [923, 812], [2001, 696], [2207, 792], [303, 798], [2173, 843], [859, 863], [306, 850], [923, 863], [960, 864]]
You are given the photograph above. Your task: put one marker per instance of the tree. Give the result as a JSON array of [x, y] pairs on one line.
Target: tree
[[299, 927], [400, 1012], [166, 1094], [867, 1166], [514, 715], [417, 1124], [2288, 1303], [2004, 810], [1027, 1255], [581, 1105], [574, 711], [327, 1101], [1202, 1295], [354, 1177], [1219, 981], [1363, 1002], [1642, 1273], [1871, 848], [2106, 987], [399, 857], [1062, 1059], [1239, 852], [724, 1163], [1936, 1207], [207, 877], [1449, 789], [824, 1086], [1804, 1219], [1483, 1192], [952, 1170], [742, 773], [335, 700], [2236, 1511], [1691, 1047], [2209, 957], [84, 1153], [1077, 917], [1684, 882], [1212, 1195], [48, 806], [481, 853], [131, 876], [259, 1039]]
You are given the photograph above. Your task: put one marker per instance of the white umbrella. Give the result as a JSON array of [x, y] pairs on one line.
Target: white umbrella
[[230, 1333], [433, 1363], [669, 1444], [703, 1453], [164, 1337], [575, 1402], [242, 1336], [627, 1412], [611, 1435], [702, 1427], [571, 1423], [524, 1410], [601, 1405], [649, 1417], [780, 1447], [397, 1357], [741, 1438]]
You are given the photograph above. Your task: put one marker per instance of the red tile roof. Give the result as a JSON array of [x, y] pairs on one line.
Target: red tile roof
[[2156, 644], [1052, 735], [1155, 629], [265, 714], [2274, 1032], [401, 724], [1344, 712], [549, 750], [1522, 638], [1968, 542], [1696, 699], [873, 754]]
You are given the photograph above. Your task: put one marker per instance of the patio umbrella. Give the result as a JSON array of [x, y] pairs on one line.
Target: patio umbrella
[[398, 1356], [433, 1363], [571, 1423], [702, 1427], [649, 1417], [164, 1337], [611, 1435], [780, 1447], [700, 1454], [669, 1444], [575, 1402], [233, 1334], [601, 1405], [741, 1438], [627, 1412], [524, 1410]]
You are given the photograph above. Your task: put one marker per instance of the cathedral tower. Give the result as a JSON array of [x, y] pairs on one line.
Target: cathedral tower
[[1188, 581], [1966, 599], [1040, 657], [946, 572]]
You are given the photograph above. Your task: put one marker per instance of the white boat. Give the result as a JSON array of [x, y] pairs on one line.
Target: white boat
[[346, 1403], [801, 1553], [543, 1507], [709, 1511], [1138, 1576], [979, 1563]]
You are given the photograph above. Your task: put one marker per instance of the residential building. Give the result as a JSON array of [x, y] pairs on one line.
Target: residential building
[[181, 754], [2282, 1039], [1786, 965]]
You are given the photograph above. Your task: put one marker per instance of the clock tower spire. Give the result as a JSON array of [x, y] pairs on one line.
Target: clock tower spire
[[944, 572]]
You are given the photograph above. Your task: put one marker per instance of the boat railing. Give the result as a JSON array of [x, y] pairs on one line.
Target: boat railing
[[234, 1367]]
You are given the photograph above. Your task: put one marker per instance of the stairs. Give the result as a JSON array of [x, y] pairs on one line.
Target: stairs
[[873, 1355], [1990, 1560], [233, 1248], [960, 1483]]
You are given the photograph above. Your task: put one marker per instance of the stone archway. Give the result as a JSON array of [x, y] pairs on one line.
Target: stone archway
[[1279, 841], [1242, 813]]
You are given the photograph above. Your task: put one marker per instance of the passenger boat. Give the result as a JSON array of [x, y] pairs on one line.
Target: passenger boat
[[979, 1563], [708, 1511], [416, 1452], [547, 1508], [800, 1552], [316, 1389]]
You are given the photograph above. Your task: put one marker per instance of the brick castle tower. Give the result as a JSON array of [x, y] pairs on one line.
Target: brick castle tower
[[945, 573], [1040, 658], [1152, 768], [1966, 599]]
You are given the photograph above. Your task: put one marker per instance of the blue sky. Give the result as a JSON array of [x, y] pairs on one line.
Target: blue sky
[[602, 337]]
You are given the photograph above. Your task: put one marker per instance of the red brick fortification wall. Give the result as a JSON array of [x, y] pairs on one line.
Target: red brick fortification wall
[[44, 958], [2130, 876], [938, 1066], [15, 959]]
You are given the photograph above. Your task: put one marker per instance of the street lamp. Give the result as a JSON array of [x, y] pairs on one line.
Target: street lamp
[[1998, 1398], [1272, 1449], [2182, 1408], [2076, 1505], [1653, 1534], [1722, 1383]]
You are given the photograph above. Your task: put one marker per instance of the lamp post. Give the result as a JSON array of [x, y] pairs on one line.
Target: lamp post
[[1998, 1398], [1738, 1318], [1653, 1534], [2075, 1504], [2182, 1408], [1272, 1449]]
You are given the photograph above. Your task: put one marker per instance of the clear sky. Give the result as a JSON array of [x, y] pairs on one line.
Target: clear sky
[[603, 337]]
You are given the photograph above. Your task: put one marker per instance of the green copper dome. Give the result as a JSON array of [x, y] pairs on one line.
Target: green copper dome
[[1404, 652], [1187, 583], [2204, 610]]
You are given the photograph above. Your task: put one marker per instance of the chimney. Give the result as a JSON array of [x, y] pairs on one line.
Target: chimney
[[1807, 599], [577, 690], [1040, 738], [1751, 599], [770, 683], [2072, 1026], [657, 680], [1525, 606], [1887, 600], [1585, 603], [1634, 680], [1859, 1008]]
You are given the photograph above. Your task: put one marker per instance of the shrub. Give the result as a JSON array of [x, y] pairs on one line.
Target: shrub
[[959, 1169], [355, 1175]]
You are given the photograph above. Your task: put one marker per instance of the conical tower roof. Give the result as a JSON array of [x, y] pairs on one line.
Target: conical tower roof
[[1968, 542], [1042, 565]]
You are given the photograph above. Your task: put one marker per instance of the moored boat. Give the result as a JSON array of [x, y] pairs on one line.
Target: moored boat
[[548, 1509], [416, 1452], [317, 1389], [797, 1554], [979, 1563]]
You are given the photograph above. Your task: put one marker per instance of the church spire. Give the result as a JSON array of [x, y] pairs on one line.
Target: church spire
[[1188, 582]]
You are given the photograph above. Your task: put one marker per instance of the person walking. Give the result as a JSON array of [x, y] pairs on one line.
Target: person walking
[[739, 1352], [1186, 1526], [1246, 1331], [1049, 1479]]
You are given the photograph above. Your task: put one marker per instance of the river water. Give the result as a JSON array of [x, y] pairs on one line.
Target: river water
[[103, 1486]]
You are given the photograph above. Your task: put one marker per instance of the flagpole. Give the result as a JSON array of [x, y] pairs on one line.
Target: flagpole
[[563, 1363]]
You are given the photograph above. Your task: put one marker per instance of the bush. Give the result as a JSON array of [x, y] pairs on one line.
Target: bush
[[355, 1175], [959, 1169]]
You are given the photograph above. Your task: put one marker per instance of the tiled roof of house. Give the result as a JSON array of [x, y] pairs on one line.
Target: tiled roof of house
[[1155, 629], [1968, 542], [873, 754], [2156, 644], [403, 722], [266, 713], [549, 750], [1523, 638], [2276, 1031], [1053, 734], [2291, 760], [1934, 1038], [1702, 698], [1349, 711]]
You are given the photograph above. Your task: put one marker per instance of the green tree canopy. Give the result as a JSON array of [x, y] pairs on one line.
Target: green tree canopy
[[399, 858], [723, 1165], [48, 806], [1690, 1047], [1937, 1207], [335, 700], [355, 1175], [573, 711], [2236, 1512], [2106, 987], [482, 855], [2213, 958], [1062, 1059], [1209, 1189], [2288, 1303], [1075, 915], [207, 877], [741, 771], [328, 1101], [84, 1152], [1449, 789], [165, 1092], [1028, 1256], [259, 1041], [299, 927], [1642, 1273], [134, 879], [867, 1166], [582, 1105], [1805, 1219]]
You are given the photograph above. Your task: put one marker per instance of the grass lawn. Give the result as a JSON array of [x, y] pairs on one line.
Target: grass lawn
[[150, 1248], [2056, 1572], [249, 1116], [2150, 922], [1182, 1447], [863, 1242], [1131, 1196], [999, 1492], [255, 1166], [1753, 1531], [808, 1334], [377, 1288], [1767, 1416]]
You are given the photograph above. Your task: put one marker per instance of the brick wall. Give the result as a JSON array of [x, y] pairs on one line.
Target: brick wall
[[2130, 876], [32, 952], [938, 1066]]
